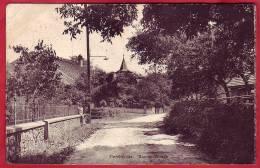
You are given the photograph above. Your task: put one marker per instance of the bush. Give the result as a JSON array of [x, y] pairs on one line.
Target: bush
[[224, 131]]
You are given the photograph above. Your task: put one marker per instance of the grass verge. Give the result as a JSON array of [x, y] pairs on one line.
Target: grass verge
[[57, 150]]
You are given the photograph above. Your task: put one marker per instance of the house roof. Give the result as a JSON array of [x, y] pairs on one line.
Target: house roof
[[238, 81], [70, 70]]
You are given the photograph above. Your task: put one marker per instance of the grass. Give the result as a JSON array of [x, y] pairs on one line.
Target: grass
[[59, 149]]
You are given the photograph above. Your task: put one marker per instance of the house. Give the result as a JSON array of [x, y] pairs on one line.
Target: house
[[237, 86], [238, 90], [69, 68]]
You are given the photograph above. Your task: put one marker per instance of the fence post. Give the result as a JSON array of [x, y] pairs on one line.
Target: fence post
[[44, 110], [46, 130], [17, 146], [14, 109]]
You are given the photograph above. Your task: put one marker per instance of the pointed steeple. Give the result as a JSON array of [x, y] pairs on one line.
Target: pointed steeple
[[123, 66]]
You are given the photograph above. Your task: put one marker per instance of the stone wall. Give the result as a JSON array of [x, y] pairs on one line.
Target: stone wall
[[35, 137]]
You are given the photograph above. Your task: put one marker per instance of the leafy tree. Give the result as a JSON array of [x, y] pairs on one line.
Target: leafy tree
[[169, 19], [107, 19], [201, 48], [118, 89], [154, 89], [126, 87], [98, 78], [194, 18], [36, 73], [107, 91], [69, 95]]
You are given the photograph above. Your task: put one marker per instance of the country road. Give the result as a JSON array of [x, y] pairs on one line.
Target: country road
[[135, 141]]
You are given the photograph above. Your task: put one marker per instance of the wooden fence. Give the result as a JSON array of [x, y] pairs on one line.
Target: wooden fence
[[17, 113]]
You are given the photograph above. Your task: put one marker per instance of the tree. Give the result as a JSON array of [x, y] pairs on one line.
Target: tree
[[202, 45], [118, 89], [169, 19], [192, 19], [154, 89], [98, 78], [107, 19], [36, 73], [69, 95], [126, 87]]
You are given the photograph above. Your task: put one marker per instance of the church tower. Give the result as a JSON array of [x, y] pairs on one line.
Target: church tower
[[123, 67]]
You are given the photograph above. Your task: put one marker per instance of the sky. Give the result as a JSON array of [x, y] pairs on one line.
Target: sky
[[29, 23]]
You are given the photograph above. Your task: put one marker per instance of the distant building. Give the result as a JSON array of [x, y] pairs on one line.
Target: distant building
[[69, 68], [123, 67], [237, 86]]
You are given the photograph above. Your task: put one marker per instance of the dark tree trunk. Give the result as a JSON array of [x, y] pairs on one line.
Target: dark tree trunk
[[227, 92]]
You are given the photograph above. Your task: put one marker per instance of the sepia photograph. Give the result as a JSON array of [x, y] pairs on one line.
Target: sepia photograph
[[130, 84]]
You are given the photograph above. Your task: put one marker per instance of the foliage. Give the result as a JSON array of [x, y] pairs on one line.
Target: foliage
[[224, 131], [97, 78], [127, 89], [106, 19], [126, 82], [192, 19], [104, 92], [36, 73], [154, 89], [69, 95], [202, 46], [118, 89]]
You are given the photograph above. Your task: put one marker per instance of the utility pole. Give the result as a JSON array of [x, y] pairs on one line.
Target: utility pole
[[88, 91], [14, 108], [88, 96]]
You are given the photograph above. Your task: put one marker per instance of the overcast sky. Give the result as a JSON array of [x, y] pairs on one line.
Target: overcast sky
[[28, 23]]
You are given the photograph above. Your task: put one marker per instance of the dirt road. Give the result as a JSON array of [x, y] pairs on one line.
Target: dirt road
[[135, 141]]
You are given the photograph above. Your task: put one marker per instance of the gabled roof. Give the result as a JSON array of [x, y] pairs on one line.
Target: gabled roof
[[70, 70]]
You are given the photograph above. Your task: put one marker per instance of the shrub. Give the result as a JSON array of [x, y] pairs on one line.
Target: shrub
[[224, 131]]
